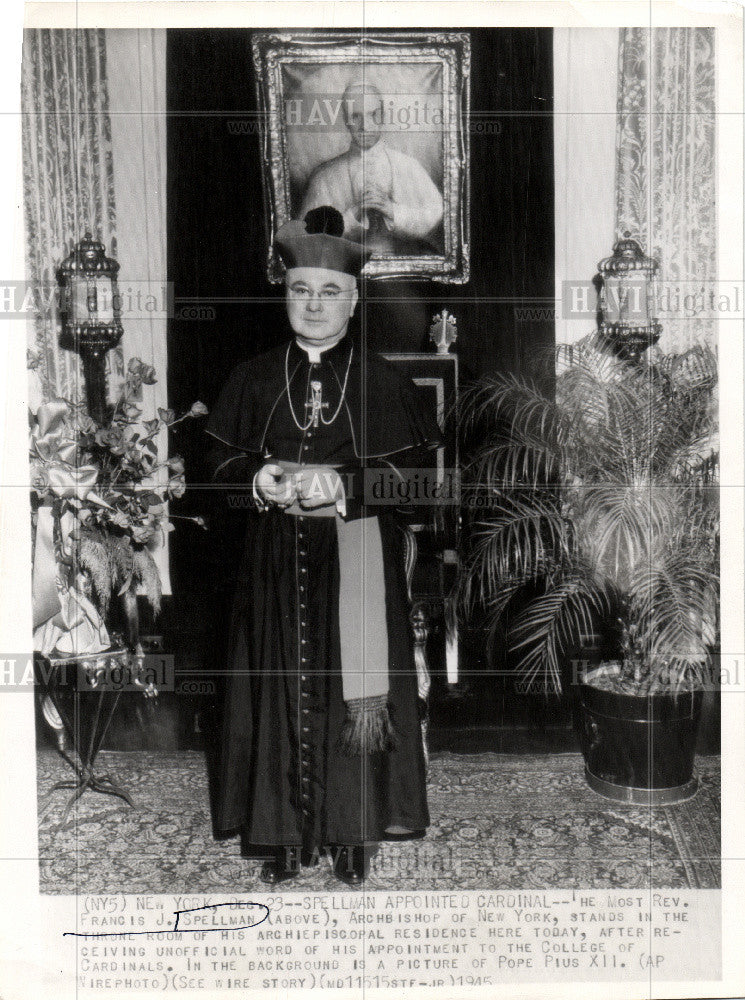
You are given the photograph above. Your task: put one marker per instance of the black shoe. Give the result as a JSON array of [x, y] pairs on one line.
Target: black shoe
[[309, 859], [351, 865], [284, 866]]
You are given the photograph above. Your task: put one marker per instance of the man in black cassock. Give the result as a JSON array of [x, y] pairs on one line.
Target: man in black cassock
[[321, 739]]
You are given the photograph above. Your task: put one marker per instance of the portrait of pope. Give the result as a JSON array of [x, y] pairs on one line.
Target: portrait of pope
[[373, 151]]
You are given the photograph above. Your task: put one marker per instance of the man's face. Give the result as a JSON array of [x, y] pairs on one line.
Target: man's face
[[319, 302], [364, 117]]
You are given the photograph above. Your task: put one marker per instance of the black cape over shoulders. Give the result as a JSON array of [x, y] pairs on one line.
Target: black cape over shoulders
[[381, 408]]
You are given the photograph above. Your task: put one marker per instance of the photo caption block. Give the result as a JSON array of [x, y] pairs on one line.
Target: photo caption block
[[374, 940]]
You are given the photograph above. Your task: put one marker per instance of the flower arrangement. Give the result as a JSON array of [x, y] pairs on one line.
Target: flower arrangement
[[107, 490]]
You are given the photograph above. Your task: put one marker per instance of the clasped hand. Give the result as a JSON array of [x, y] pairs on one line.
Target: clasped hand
[[315, 486], [374, 197]]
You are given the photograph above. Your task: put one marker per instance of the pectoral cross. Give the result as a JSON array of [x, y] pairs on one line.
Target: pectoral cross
[[315, 404]]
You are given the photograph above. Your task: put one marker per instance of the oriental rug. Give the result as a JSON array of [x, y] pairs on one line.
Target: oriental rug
[[497, 822]]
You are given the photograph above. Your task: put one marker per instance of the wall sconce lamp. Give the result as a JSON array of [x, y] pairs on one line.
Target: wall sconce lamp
[[626, 284], [90, 312]]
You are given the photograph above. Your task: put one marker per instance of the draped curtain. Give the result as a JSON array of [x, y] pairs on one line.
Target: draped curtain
[[68, 179], [665, 168], [585, 97], [136, 72], [94, 153]]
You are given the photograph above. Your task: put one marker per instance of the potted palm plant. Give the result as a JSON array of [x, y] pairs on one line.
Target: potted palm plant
[[596, 515]]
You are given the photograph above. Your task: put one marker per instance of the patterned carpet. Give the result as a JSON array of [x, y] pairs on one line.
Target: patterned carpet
[[498, 821]]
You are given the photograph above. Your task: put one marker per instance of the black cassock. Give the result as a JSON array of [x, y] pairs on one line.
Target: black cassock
[[282, 780]]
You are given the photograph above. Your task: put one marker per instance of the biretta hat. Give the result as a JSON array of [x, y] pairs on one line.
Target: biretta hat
[[318, 241]]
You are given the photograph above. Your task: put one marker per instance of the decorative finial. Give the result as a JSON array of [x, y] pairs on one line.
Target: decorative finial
[[444, 331]]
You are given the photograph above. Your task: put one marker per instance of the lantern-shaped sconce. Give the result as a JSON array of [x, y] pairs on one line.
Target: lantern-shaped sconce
[[89, 307], [627, 299]]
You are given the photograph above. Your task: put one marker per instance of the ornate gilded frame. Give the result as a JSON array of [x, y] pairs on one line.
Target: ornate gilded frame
[[272, 50]]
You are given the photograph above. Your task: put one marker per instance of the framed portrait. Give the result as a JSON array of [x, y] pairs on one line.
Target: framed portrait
[[375, 125]]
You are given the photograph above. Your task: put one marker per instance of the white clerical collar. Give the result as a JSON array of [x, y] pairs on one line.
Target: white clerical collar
[[314, 352], [379, 149]]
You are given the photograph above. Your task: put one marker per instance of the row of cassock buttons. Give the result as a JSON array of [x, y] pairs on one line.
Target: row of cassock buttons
[[304, 694]]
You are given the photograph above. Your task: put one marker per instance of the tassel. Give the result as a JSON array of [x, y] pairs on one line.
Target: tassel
[[368, 727]]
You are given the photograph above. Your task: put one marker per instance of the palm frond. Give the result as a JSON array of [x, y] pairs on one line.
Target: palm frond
[[621, 524], [508, 464], [510, 400], [603, 491], [670, 596], [551, 623], [523, 538]]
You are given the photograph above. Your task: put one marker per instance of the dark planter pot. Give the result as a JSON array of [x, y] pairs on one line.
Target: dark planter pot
[[639, 749]]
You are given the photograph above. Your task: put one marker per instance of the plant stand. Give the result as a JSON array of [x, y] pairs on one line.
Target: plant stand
[[69, 682]]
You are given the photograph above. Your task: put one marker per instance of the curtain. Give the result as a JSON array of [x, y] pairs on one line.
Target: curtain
[[68, 181], [585, 95], [137, 110], [136, 70], [94, 158], [665, 170]]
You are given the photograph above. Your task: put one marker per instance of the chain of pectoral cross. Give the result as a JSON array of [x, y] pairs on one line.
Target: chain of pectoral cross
[[315, 404]]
